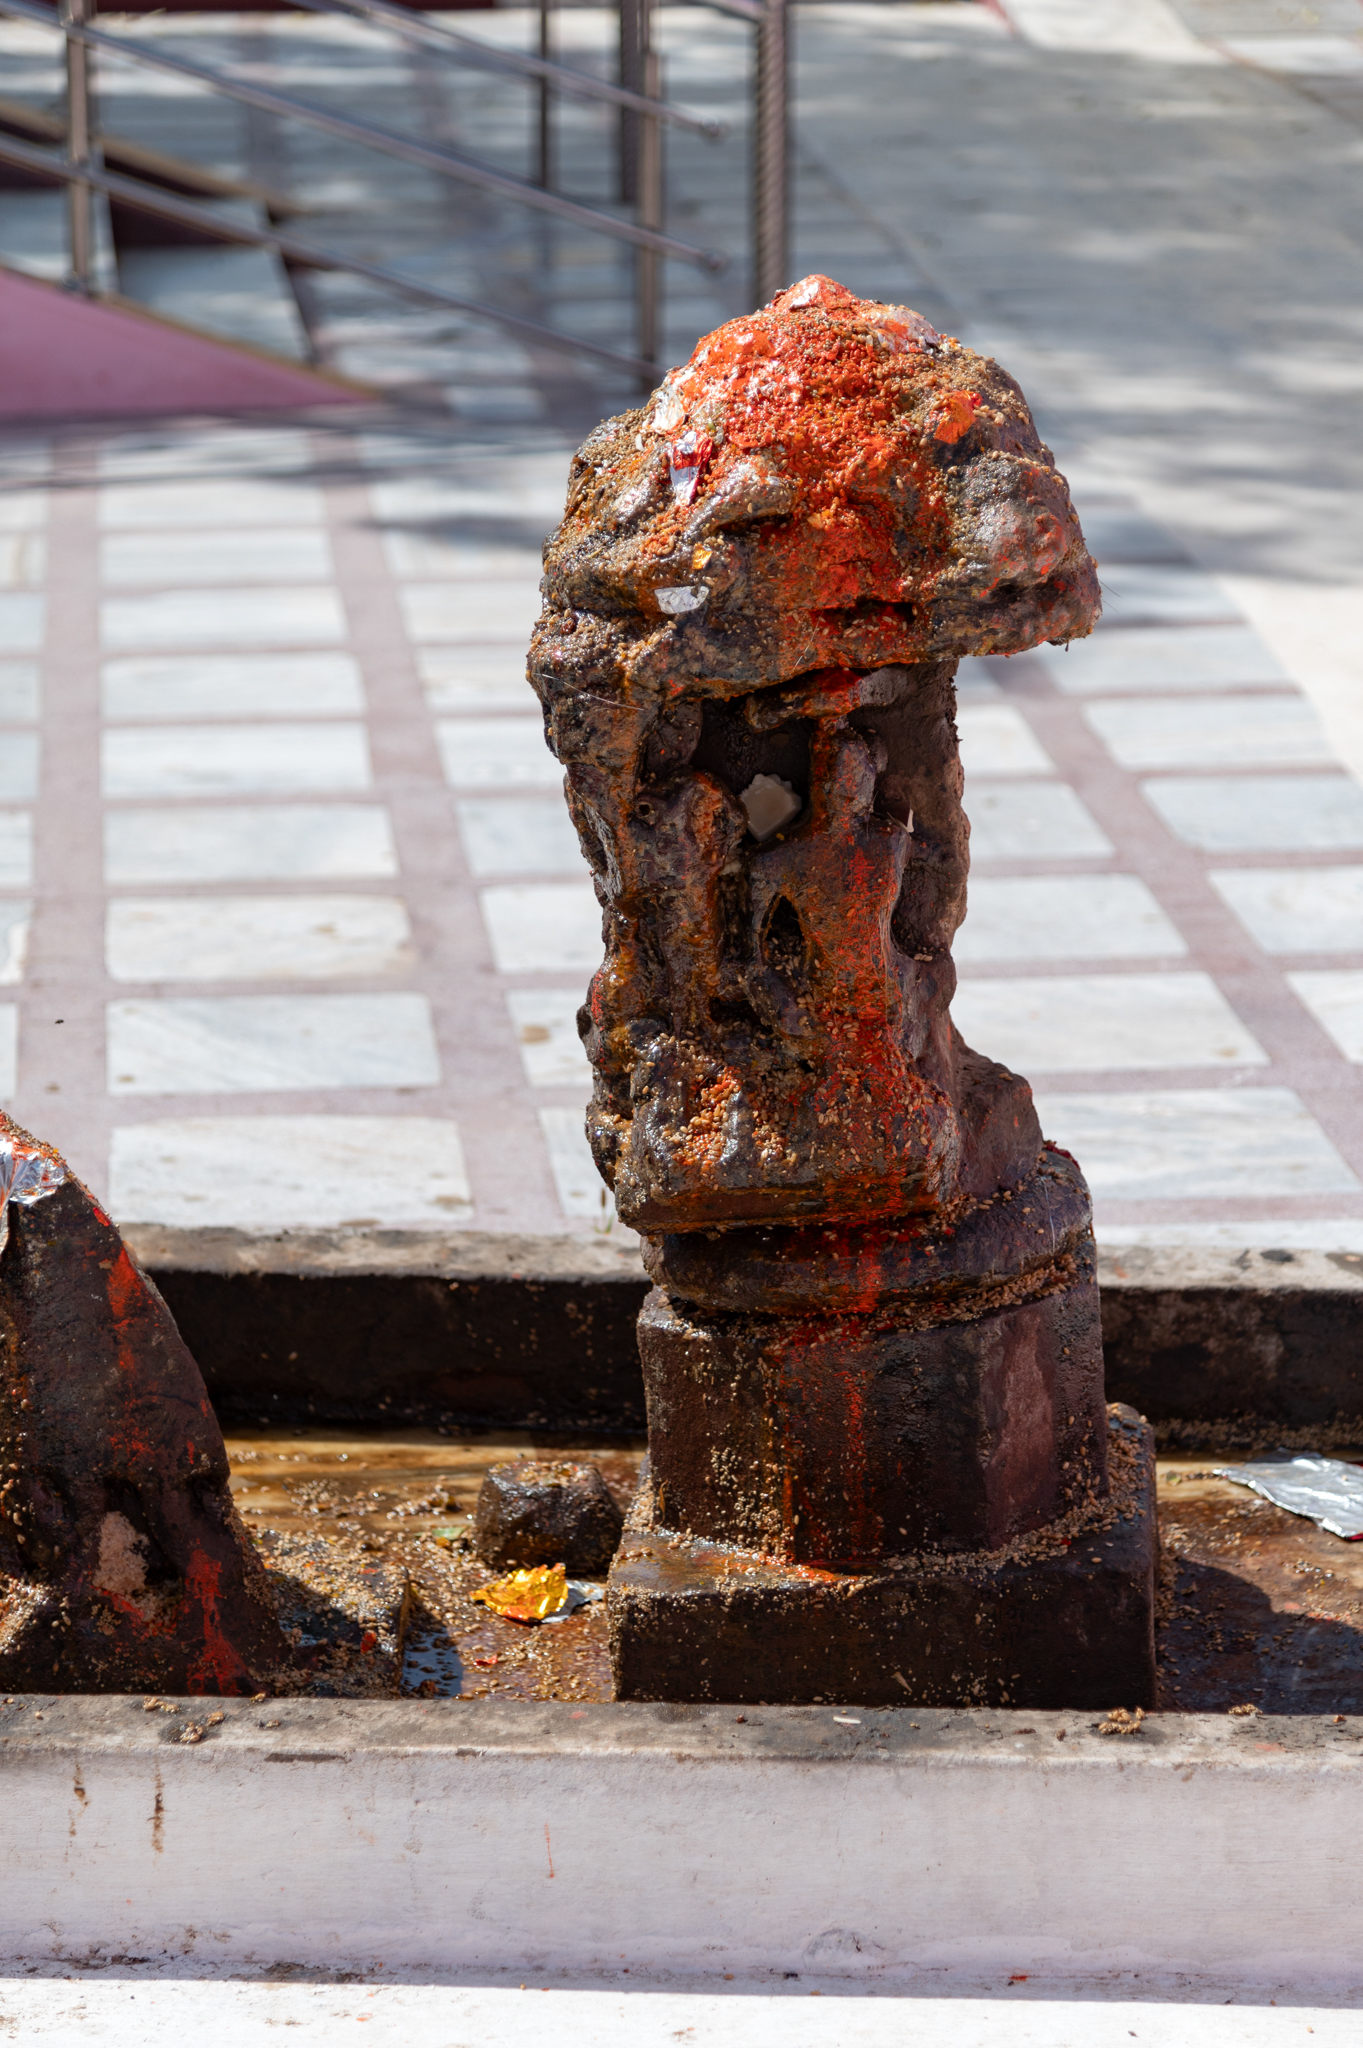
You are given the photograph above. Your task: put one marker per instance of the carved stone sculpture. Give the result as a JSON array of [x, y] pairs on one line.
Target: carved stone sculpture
[[872, 1356], [124, 1566]]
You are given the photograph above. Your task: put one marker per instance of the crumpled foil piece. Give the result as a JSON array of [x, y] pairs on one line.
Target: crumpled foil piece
[[1327, 1490], [541, 1592], [26, 1175]]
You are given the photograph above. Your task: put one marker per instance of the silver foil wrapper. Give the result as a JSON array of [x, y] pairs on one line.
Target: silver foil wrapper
[[25, 1176], [1325, 1489]]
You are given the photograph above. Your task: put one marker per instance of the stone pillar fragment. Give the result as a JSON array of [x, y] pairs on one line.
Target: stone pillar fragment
[[123, 1564], [872, 1357]]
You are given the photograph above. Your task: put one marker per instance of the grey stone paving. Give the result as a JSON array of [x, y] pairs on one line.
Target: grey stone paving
[[305, 900]]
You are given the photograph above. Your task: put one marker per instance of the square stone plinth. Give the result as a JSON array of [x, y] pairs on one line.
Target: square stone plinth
[[1063, 1618]]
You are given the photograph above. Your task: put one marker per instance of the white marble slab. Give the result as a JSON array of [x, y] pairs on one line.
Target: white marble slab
[[436, 612], [9, 1051], [496, 753], [1032, 821], [417, 555], [21, 621], [1090, 1023], [256, 938], [545, 1021], [16, 849], [18, 692], [519, 836], [494, 403], [22, 511], [1297, 1233], [203, 455], [1137, 592], [218, 619], [1211, 732], [581, 1190], [1296, 910], [15, 919], [1261, 813], [1334, 996], [234, 1045], [249, 843], [1119, 533], [475, 678], [1156, 659], [1191, 1144], [975, 683], [199, 557], [227, 760], [268, 1173], [1063, 917], [210, 502], [997, 740], [531, 488], [175, 686], [18, 767], [23, 561], [543, 927]]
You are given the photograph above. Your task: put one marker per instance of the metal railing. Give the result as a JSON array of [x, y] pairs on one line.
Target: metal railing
[[644, 114]]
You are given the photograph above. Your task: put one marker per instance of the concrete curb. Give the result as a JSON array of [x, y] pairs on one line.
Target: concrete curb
[[847, 1841], [475, 1329]]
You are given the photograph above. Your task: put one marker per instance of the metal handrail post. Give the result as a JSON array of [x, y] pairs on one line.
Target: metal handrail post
[[80, 199], [636, 40], [647, 262], [544, 168], [771, 153]]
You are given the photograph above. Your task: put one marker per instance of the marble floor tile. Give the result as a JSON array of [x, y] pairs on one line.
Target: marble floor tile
[[176, 502], [1137, 592], [543, 927], [269, 1173], [219, 619], [1282, 1233], [232, 1045], [496, 753], [475, 678], [422, 554], [1296, 910], [229, 760], [440, 612], [1063, 917], [1155, 659], [1261, 813], [16, 849], [1211, 732], [1090, 1023], [494, 402], [256, 938], [21, 621], [14, 927], [581, 1190], [9, 1051], [997, 740], [519, 836], [18, 692], [1032, 821], [206, 455], [175, 686], [23, 511], [551, 1052], [1118, 533], [248, 843], [1190, 1144], [528, 489], [23, 560], [198, 557], [975, 682], [1334, 996], [18, 767]]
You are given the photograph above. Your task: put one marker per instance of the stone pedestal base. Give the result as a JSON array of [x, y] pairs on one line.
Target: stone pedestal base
[[1063, 1617]]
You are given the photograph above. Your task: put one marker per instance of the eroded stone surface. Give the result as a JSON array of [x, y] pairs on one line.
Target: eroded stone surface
[[123, 1564], [546, 1511]]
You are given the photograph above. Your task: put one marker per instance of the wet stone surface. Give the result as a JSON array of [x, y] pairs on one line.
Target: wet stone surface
[[1256, 1607], [547, 1511]]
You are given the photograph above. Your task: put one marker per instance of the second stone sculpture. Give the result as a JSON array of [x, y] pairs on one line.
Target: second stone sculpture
[[872, 1357]]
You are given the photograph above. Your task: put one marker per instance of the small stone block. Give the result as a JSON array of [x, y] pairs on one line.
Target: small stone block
[[546, 1513], [1066, 1624]]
